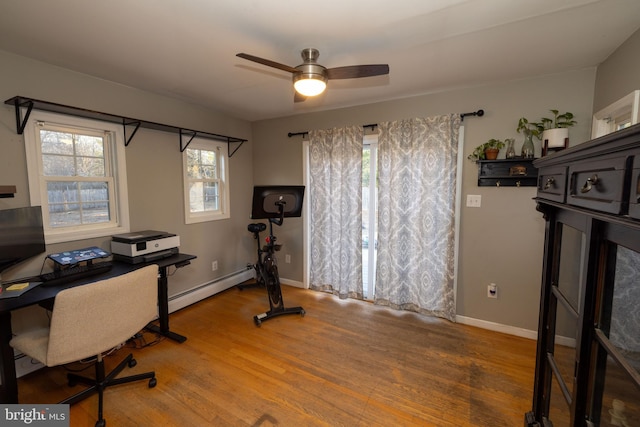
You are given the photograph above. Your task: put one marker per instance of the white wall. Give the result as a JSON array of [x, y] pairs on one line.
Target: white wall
[[619, 75]]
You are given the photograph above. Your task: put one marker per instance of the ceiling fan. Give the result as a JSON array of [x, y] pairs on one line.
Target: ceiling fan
[[310, 78]]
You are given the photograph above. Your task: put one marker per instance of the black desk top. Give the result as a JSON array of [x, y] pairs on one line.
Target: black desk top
[[43, 293]]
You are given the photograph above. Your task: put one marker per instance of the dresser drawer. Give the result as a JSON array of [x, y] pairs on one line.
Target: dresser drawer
[[634, 195], [598, 185], [552, 183]]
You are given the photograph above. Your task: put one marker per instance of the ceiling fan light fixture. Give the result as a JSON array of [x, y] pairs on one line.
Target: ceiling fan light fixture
[[309, 84]]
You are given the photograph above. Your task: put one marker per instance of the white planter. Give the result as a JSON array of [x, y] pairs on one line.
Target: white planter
[[557, 138]]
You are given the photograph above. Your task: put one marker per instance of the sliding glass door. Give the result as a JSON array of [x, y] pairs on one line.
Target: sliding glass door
[[369, 215]]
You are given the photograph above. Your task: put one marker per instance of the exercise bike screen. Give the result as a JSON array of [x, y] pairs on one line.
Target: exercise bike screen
[[267, 198]]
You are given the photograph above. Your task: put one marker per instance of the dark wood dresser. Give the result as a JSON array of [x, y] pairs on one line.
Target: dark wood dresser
[[588, 352]]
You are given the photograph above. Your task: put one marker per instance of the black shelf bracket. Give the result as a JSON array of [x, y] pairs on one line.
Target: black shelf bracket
[[233, 140], [182, 135], [20, 103], [126, 123]]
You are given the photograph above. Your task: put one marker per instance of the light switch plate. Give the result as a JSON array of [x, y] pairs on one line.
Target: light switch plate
[[474, 200]]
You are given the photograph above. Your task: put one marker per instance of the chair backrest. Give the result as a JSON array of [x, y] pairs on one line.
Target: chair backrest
[[90, 319]]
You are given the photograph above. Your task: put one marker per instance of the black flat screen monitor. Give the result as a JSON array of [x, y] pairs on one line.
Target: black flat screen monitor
[[21, 235], [267, 198]]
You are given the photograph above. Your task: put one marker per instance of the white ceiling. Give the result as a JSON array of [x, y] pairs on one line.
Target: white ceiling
[[186, 48]]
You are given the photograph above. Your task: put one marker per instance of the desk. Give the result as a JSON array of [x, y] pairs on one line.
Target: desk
[[9, 386]]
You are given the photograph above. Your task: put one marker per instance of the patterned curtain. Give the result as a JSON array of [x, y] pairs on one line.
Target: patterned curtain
[[335, 189], [417, 163]]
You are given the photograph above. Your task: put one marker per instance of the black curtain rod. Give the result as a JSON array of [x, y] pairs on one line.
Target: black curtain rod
[[478, 113]]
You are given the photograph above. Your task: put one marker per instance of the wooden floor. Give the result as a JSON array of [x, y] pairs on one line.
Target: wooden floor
[[346, 363]]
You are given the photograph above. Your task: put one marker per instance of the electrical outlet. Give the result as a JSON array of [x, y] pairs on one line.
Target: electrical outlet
[[492, 291], [214, 265], [287, 259]]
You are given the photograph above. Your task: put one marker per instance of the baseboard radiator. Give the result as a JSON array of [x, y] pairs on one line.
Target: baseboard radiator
[[200, 292]]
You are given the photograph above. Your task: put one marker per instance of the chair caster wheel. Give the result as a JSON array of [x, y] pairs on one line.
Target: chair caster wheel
[[132, 363], [257, 321], [153, 382], [302, 313], [101, 423]]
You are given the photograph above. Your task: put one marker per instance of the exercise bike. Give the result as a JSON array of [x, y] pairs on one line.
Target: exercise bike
[[266, 268]]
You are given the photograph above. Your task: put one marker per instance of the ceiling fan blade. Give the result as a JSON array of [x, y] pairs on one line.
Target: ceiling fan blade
[[298, 97], [356, 71], [267, 62]]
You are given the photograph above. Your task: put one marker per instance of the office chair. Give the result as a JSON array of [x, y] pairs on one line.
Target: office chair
[[91, 319]]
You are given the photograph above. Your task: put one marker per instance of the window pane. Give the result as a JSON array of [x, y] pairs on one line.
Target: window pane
[[75, 203], [201, 164], [90, 166], [203, 196], [60, 193], [211, 196], [87, 145], [571, 250], [53, 165], [208, 172], [95, 213], [61, 156], [56, 142], [196, 197], [208, 157], [624, 323]]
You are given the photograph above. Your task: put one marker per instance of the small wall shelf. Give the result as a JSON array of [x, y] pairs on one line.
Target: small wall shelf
[[516, 172], [7, 191], [128, 124]]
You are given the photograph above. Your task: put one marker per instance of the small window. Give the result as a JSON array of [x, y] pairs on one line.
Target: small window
[[206, 181], [77, 173], [619, 115]]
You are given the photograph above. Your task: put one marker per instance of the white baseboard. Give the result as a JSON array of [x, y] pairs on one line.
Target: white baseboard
[[292, 283], [498, 327], [512, 330], [200, 292]]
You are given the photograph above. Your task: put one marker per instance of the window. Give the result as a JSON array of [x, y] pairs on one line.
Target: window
[[77, 173], [206, 188], [619, 115]]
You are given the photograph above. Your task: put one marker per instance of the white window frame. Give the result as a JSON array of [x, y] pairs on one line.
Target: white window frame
[[116, 171], [625, 111], [223, 182]]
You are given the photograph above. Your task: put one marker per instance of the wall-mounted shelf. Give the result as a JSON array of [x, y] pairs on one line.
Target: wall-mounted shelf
[[128, 124], [7, 191], [516, 172]]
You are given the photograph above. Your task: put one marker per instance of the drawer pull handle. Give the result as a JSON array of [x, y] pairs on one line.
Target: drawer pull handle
[[590, 183], [550, 183]]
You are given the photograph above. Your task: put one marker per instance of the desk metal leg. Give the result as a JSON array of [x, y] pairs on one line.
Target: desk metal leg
[[163, 309], [9, 387]]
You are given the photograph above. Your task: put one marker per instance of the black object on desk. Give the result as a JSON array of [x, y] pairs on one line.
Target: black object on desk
[[58, 277], [40, 294]]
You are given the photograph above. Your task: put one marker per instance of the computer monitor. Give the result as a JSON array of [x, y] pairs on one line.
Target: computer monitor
[[21, 235], [267, 201]]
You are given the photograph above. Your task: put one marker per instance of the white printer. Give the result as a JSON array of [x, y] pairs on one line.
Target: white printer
[[144, 246]]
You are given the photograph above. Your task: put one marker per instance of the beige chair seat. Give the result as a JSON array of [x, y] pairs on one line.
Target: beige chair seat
[[90, 320]]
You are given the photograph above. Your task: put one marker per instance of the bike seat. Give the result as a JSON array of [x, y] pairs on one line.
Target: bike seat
[[256, 227]]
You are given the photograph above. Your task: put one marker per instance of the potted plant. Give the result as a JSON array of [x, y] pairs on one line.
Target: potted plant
[[489, 150], [529, 129], [555, 133]]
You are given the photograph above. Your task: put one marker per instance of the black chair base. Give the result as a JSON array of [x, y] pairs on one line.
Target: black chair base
[[101, 382]]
